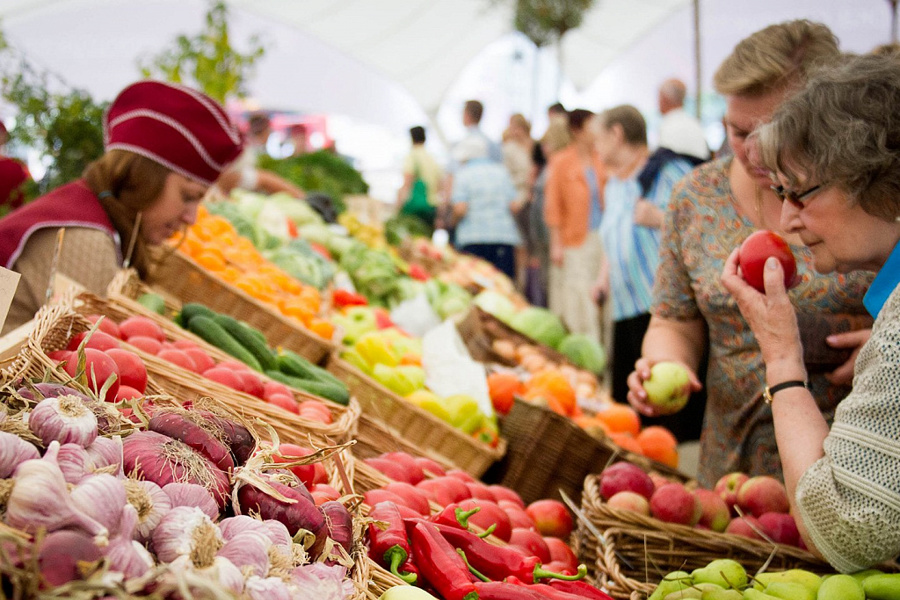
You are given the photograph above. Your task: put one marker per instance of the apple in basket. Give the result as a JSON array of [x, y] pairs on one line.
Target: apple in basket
[[551, 517]]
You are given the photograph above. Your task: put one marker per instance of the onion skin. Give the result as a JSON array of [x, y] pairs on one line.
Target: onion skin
[[192, 494], [339, 523], [181, 428], [145, 452], [13, 452], [302, 514], [239, 439]]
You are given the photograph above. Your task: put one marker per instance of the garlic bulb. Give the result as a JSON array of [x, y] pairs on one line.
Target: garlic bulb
[[105, 452], [238, 524], [40, 498], [13, 452], [269, 588], [186, 531], [60, 554], [74, 462], [151, 504], [249, 549], [219, 570], [65, 419], [125, 555], [192, 494], [102, 498]]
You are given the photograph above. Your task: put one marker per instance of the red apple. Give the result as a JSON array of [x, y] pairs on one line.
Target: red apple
[[530, 541], [780, 527], [178, 357], [226, 377], [729, 485], [551, 517], [714, 513], [745, 526], [632, 501], [674, 504], [127, 393], [754, 252], [201, 359], [624, 476], [762, 494]]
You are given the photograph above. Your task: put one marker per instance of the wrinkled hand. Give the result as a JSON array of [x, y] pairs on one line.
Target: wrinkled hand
[[637, 396], [843, 375], [647, 214], [771, 316]]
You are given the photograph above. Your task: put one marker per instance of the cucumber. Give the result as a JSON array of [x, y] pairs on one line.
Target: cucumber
[[153, 302], [241, 332], [293, 364], [216, 335], [193, 309], [337, 394]]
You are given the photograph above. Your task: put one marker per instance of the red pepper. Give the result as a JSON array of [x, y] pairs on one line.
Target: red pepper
[[579, 588], [499, 562], [389, 547], [498, 590], [341, 298], [439, 564], [454, 516], [418, 273], [545, 591]]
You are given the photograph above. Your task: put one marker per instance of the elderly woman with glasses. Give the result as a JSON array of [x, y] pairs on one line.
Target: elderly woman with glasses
[[835, 149]]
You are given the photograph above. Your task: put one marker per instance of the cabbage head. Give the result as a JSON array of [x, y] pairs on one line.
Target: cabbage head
[[495, 304], [584, 352], [540, 325]]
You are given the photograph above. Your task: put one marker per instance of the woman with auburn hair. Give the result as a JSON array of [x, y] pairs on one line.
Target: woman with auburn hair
[[712, 211], [835, 149], [165, 144]]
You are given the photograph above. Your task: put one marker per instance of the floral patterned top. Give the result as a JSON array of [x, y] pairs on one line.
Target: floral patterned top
[[701, 229]]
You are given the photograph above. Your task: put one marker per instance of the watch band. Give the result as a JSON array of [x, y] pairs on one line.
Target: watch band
[[770, 391]]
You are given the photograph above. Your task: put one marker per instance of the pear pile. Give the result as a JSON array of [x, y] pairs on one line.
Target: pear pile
[[726, 579]]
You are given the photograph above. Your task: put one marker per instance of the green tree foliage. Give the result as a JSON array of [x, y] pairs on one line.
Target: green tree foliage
[[546, 21], [207, 60], [66, 127]]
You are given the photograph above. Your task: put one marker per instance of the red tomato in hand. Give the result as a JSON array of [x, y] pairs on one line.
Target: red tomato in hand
[[754, 252]]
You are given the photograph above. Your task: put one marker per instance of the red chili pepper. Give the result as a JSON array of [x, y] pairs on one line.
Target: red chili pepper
[[454, 516], [389, 547], [439, 563], [579, 588], [499, 562], [342, 298], [543, 590], [498, 590]]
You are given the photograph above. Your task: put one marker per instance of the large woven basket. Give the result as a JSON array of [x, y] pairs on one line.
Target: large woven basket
[[548, 454], [418, 428], [637, 551], [56, 324], [184, 279]]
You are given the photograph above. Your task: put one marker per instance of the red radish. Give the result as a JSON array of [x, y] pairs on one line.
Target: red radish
[[132, 371], [501, 492], [392, 470], [444, 490], [234, 365], [182, 427], [322, 492], [429, 466], [178, 357], [517, 515], [127, 393], [251, 383], [288, 403], [409, 463], [301, 514], [461, 475], [203, 360], [98, 340], [224, 376], [340, 526], [185, 345], [98, 369], [141, 326], [162, 460], [373, 497], [146, 344], [290, 452], [480, 490], [107, 325], [275, 387], [413, 497]]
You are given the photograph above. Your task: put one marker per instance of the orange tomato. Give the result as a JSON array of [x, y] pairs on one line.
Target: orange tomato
[[658, 443], [502, 388], [620, 418]]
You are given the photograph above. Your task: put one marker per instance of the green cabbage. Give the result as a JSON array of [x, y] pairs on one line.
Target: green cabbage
[[584, 352], [496, 304], [539, 324]]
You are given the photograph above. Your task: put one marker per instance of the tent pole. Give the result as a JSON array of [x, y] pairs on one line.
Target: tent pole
[[697, 56], [893, 21]]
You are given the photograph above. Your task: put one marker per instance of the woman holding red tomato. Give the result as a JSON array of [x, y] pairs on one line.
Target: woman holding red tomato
[[835, 148], [713, 210], [165, 145]]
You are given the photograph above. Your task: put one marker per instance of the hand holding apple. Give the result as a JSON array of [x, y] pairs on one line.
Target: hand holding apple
[[754, 252], [668, 387]]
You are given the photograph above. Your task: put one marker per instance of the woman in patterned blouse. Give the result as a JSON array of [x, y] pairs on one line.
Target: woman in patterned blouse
[[712, 211]]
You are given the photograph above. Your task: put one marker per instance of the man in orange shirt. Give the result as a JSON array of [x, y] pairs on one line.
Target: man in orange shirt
[[573, 210]]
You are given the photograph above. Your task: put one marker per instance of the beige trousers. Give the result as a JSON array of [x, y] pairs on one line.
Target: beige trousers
[[570, 287]]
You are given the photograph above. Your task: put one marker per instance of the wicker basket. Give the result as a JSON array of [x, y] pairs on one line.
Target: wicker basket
[[638, 551], [547, 454], [421, 431], [182, 278]]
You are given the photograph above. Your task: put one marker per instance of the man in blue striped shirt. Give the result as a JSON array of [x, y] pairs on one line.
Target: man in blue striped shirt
[[630, 231]]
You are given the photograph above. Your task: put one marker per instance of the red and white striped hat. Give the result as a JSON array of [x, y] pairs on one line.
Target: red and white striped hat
[[180, 128]]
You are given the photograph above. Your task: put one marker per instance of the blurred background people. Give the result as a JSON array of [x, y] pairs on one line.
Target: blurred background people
[[678, 131], [419, 195], [517, 150]]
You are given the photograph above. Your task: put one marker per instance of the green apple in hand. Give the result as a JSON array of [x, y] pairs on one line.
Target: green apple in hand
[[669, 386]]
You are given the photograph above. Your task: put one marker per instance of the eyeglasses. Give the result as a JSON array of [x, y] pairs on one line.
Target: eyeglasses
[[795, 198]]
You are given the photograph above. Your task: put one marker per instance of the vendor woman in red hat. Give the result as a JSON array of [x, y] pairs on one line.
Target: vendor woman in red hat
[[165, 144]]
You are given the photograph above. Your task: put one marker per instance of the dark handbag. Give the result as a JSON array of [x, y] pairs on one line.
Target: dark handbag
[[818, 356], [417, 204]]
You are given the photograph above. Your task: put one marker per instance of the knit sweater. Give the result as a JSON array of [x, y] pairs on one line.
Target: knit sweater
[[849, 500]]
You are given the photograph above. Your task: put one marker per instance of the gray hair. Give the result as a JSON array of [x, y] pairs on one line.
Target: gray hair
[[843, 129]]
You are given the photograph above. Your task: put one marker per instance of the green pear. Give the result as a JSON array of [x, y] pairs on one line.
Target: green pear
[[751, 594], [882, 586], [841, 587], [860, 576], [724, 572], [810, 580], [788, 590], [686, 593], [721, 594], [673, 582]]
